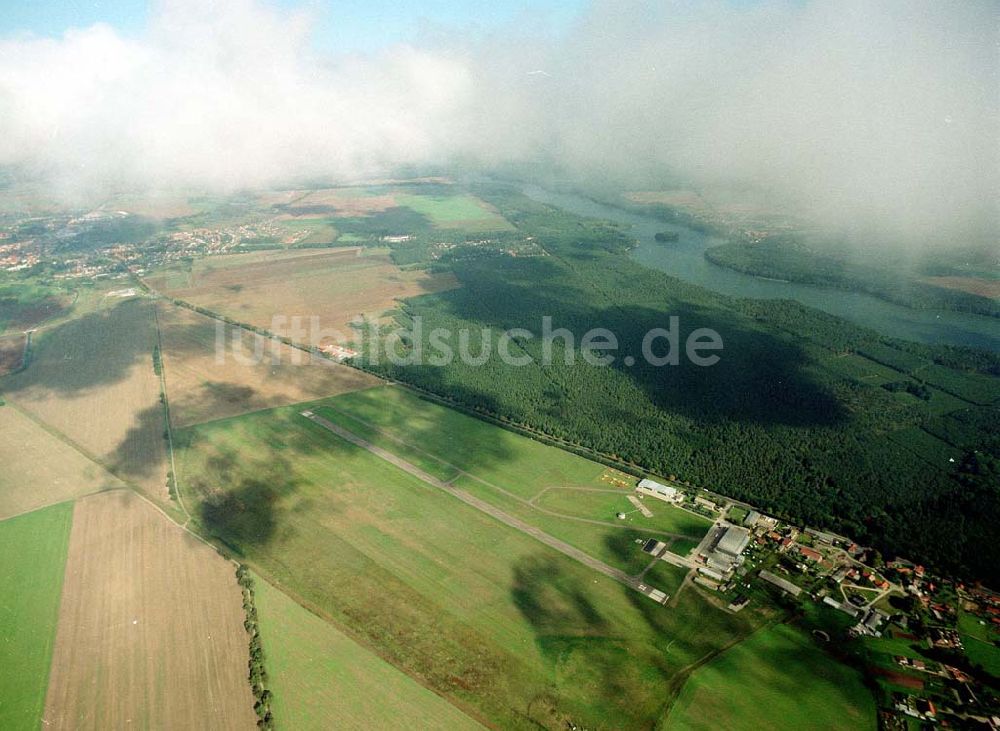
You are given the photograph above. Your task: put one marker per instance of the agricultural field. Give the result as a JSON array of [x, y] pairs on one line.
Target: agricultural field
[[150, 628], [477, 611], [776, 678], [203, 387], [337, 287], [92, 379], [25, 304], [11, 353], [40, 469], [33, 547], [317, 674]]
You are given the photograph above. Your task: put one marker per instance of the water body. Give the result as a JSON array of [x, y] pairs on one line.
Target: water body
[[685, 260]]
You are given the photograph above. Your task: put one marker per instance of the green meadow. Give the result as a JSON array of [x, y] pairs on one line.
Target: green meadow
[[321, 677], [34, 549], [778, 678]]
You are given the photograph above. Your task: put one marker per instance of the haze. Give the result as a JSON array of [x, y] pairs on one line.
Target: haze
[[882, 117]]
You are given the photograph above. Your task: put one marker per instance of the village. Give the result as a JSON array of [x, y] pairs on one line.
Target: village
[[929, 643]]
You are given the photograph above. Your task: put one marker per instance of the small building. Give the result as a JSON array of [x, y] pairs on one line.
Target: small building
[[705, 503], [751, 520], [811, 554], [821, 536], [711, 574], [654, 547], [738, 603]]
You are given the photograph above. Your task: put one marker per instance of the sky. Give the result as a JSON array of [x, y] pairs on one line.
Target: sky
[[339, 25], [881, 114]]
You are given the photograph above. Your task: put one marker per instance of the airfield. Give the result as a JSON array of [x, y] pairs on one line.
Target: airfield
[[412, 562]]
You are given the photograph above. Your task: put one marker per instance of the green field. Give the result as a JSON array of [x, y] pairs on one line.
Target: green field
[[979, 641], [776, 679], [318, 674], [515, 463], [605, 505], [455, 211], [508, 470], [665, 576], [476, 611], [34, 550]]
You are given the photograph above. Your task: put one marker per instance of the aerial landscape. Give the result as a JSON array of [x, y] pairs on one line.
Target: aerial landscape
[[576, 365]]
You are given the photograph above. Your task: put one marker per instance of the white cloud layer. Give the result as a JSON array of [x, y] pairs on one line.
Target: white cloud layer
[[884, 113]]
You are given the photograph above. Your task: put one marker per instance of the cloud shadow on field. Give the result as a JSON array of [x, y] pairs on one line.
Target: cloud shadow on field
[[761, 377], [92, 351]]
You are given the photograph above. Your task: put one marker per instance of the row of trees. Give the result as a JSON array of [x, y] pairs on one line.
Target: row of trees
[[257, 673]]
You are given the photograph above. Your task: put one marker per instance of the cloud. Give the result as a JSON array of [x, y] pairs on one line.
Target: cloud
[[881, 114], [224, 95]]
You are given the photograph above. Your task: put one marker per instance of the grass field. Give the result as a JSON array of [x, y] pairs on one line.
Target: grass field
[[605, 505], [334, 286], [475, 610], [318, 674], [39, 469], [202, 387], [665, 576], [455, 211], [150, 626], [92, 379], [979, 641], [519, 475], [33, 547], [515, 463], [776, 679]]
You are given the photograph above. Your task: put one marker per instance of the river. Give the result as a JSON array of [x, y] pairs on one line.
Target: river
[[685, 260]]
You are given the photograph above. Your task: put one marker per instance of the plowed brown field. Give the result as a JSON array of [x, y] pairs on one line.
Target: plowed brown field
[[150, 628]]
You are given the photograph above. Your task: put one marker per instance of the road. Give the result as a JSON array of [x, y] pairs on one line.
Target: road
[[483, 506]]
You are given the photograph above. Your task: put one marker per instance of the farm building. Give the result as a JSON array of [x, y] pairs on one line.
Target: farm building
[[655, 489], [733, 541], [782, 584], [712, 574], [751, 520], [706, 503]]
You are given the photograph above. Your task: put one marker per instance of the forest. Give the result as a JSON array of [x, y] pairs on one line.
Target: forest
[[800, 416], [783, 257]]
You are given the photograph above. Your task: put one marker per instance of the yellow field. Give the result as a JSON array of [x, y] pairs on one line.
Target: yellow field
[[203, 388], [334, 286], [150, 628], [39, 469], [92, 379]]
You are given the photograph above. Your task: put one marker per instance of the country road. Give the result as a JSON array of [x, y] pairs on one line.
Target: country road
[[481, 505]]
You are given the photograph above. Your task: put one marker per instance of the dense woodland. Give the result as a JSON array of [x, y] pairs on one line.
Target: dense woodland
[[784, 258], [799, 417]]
